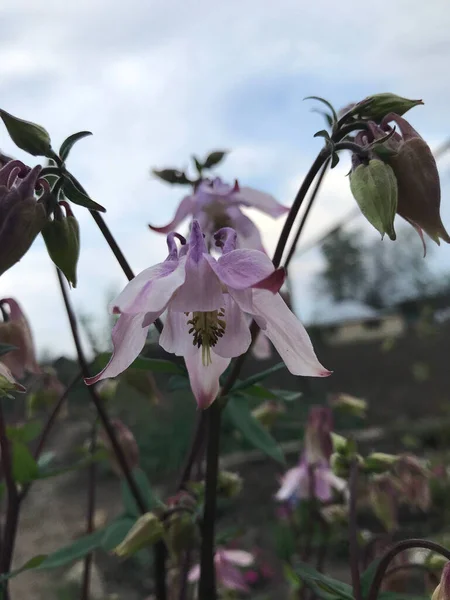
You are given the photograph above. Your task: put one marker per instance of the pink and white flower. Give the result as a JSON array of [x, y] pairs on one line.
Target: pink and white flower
[[227, 574], [215, 204], [207, 302], [296, 484]]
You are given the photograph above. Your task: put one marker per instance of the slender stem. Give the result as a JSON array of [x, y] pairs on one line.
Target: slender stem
[[92, 484], [195, 448], [160, 572], [392, 553], [353, 531], [207, 585], [13, 503], [322, 552], [305, 215], [312, 510]]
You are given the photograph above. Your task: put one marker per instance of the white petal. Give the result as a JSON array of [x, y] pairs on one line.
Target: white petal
[[336, 482], [205, 380], [287, 335], [201, 290], [175, 337], [238, 557], [241, 269], [237, 337], [194, 574], [261, 349], [290, 483], [262, 201]]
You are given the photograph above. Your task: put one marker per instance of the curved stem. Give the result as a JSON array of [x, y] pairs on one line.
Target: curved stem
[[392, 553], [305, 215], [353, 531]]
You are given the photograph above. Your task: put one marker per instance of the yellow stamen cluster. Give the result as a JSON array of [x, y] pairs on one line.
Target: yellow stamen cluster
[[207, 328]]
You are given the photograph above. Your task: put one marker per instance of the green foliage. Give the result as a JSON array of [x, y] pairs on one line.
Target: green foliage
[[73, 192], [24, 467], [155, 365], [69, 142], [142, 482], [323, 586]]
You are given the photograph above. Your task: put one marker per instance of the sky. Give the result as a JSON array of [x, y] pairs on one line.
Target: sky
[[158, 80]]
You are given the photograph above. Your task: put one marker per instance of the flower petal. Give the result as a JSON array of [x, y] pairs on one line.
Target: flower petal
[[287, 334], [128, 337], [336, 482], [227, 574], [205, 380], [322, 487], [194, 574], [237, 336], [290, 483], [249, 235], [241, 269], [151, 290], [175, 337], [238, 557], [262, 201], [261, 348], [185, 208]]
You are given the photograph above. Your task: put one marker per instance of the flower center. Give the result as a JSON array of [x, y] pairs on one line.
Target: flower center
[[207, 328]]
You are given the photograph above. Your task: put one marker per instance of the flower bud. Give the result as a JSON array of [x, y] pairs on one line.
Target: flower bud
[[442, 591], [348, 404], [414, 479], [384, 495], [335, 514], [229, 484], [128, 444], [340, 463], [419, 190], [268, 412], [62, 238], [27, 136], [318, 441], [376, 107], [21, 216], [17, 332], [379, 462], [7, 381], [435, 561], [180, 532], [107, 388], [147, 530], [374, 188]]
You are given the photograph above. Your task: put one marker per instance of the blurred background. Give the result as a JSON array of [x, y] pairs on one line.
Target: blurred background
[[158, 81]]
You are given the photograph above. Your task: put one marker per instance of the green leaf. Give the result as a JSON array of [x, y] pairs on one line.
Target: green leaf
[[156, 365], [239, 412], [24, 467], [31, 564], [198, 165], [75, 195], [259, 391], [27, 136], [24, 433], [334, 159], [324, 586], [323, 133], [69, 142], [116, 532], [330, 106], [172, 176], [250, 381], [367, 577], [396, 596], [78, 549], [129, 503], [214, 158], [5, 348]]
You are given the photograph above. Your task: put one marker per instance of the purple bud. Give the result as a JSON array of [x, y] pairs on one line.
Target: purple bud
[[318, 442]]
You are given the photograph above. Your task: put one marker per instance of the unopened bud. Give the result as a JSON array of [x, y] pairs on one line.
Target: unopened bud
[[384, 497], [348, 404], [435, 561], [27, 136], [268, 412], [341, 444], [341, 463], [147, 530], [414, 480], [335, 514], [62, 238], [180, 532], [229, 484], [374, 188], [107, 389], [7, 382], [318, 441], [128, 444], [379, 462], [376, 107]]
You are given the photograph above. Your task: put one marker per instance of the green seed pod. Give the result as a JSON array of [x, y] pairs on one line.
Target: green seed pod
[[374, 188], [62, 238], [376, 107], [27, 136], [147, 530]]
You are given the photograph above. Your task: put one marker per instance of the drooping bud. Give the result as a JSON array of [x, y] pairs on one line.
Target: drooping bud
[[268, 412], [21, 216], [442, 591], [384, 496], [419, 190], [348, 404], [341, 463], [414, 479], [7, 381], [128, 444], [376, 107], [379, 462], [147, 530], [107, 388], [229, 484], [374, 187], [17, 332], [27, 136], [181, 532], [62, 238], [318, 442]]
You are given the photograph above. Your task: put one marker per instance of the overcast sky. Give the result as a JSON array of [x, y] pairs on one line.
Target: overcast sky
[[156, 81]]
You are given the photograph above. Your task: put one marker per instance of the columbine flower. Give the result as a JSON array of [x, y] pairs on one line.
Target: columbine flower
[[296, 483], [207, 303], [228, 576], [17, 332], [442, 591], [216, 204], [21, 216]]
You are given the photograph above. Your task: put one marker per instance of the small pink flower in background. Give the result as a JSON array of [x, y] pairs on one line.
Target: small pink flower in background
[[17, 332], [227, 573], [215, 205], [318, 442], [251, 577], [208, 301]]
